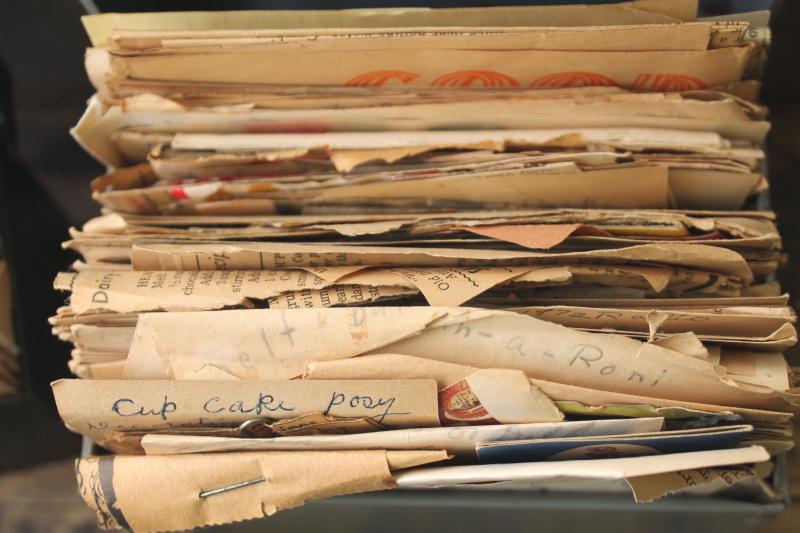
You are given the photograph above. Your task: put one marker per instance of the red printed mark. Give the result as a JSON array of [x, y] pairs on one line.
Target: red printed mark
[[458, 404], [466, 78], [178, 193], [667, 83], [562, 80], [377, 78]]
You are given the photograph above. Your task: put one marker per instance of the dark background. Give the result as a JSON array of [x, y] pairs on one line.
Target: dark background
[[45, 174]]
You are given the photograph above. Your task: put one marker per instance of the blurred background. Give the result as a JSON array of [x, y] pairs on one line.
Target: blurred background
[[44, 178]]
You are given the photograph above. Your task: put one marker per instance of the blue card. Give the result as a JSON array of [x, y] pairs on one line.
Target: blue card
[[611, 446]]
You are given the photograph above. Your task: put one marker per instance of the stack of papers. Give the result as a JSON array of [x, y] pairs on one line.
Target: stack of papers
[[349, 251]]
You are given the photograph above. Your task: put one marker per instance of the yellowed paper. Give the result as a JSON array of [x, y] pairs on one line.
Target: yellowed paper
[[125, 490], [277, 344], [695, 36], [457, 440], [188, 291], [100, 27], [650, 487], [126, 133], [283, 255], [586, 469], [637, 139], [570, 399], [511, 399], [682, 70], [284, 339], [98, 408]]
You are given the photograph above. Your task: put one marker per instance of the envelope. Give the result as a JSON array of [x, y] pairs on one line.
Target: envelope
[[570, 399], [260, 256], [613, 446], [105, 410], [278, 343], [117, 91], [435, 65], [586, 227], [104, 304], [322, 179], [165, 493], [126, 132], [633, 139], [457, 440], [99, 27], [102, 337], [105, 242], [329, 191], [636, 470], [129, 56], [137, 291], [695, 36]]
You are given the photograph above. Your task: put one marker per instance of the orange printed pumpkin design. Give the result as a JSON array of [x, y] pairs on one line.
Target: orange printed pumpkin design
[[667, 83], [466, 78], [376, 78], [562, 80]]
